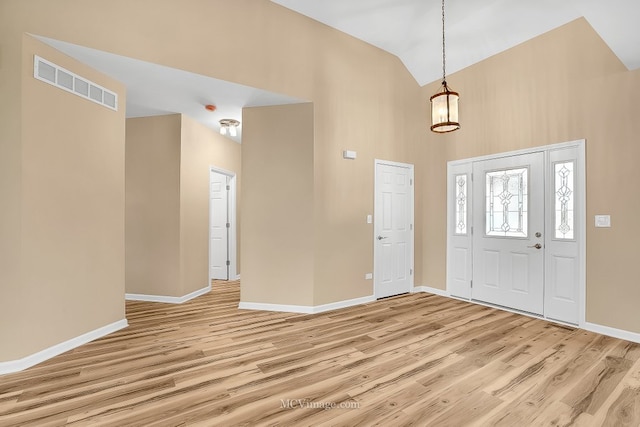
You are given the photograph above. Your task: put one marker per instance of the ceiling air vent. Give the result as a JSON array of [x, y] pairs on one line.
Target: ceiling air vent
[[55, 75]]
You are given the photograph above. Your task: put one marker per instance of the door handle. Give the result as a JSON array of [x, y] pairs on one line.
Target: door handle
[[537, 246], [380, 237]]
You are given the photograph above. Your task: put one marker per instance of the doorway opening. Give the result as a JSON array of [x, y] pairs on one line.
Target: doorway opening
[[222, 225]]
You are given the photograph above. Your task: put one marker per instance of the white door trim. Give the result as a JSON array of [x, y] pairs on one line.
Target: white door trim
[[577, 143], [233, 266], [580, 205], [411, 218]]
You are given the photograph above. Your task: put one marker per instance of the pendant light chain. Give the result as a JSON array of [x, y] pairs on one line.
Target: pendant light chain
[[444, 104], [444, 74]]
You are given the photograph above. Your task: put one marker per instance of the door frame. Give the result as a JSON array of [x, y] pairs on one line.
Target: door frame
[[581, 214], [232, 218], [409, 166]]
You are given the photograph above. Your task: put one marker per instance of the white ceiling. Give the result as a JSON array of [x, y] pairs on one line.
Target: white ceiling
[[154, 89], [475, 29]]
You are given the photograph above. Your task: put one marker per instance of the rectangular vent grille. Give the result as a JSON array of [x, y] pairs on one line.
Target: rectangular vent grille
[[55, 75]]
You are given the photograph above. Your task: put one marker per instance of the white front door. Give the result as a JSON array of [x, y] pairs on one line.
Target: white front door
[[493, 258], [508, 237], [393, 229], [219, 224]]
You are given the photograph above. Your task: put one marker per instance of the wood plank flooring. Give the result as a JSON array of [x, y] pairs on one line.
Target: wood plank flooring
[[411, 360]]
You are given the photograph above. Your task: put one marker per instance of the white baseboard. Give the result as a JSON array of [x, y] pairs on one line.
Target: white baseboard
[[165, 299], [48, 353], [436, 291], [593, 327], [305, 309], [343, 304], [612, 332]]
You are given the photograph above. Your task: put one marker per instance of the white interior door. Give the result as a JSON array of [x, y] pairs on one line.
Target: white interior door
[[219, 224], [508, 238], [393, 238]]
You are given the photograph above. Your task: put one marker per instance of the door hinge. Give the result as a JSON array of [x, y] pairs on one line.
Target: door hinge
[[228, 225], [411, 272], [228, 262], [472, 283], [228, 187], [410, 226], [411, 181]]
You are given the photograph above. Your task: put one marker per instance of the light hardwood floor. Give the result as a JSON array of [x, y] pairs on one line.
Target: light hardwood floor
[[419, 360]]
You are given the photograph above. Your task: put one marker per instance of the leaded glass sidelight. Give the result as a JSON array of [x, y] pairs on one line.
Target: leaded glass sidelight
[[506, 207], [461, 204], [563, 175]]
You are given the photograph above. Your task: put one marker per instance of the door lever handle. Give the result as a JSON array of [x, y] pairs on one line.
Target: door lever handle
[[380, 237], [537, 246]]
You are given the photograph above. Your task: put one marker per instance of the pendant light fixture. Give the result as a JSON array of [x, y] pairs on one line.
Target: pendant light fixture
[[444, 104]]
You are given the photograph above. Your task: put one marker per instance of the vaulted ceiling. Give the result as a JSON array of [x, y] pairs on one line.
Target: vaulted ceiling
[[409, 29], [475, 29]]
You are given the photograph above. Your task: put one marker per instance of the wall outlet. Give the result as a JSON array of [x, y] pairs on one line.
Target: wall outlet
[[368, 276]]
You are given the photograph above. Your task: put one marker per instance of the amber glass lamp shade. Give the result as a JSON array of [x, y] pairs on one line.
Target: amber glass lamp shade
[[444, 110]]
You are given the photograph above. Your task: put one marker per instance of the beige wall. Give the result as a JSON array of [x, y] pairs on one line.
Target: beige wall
[[202, 148], [153, 205], [612, 127], [167, 222], [371, 105], [11, 290], [70, 250], [562, 86], [277, 202]]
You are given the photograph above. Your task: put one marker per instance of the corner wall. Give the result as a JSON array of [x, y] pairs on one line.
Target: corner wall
[[71, 246], [152, 232], [11, 291], [277, 202]]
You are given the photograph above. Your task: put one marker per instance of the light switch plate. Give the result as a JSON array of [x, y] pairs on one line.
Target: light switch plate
[[368, 276], [349, 154], [603, 220], [369, 219]]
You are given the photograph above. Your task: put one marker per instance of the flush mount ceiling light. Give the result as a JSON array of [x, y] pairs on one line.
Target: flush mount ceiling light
[[444, 104], [229, 127]]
